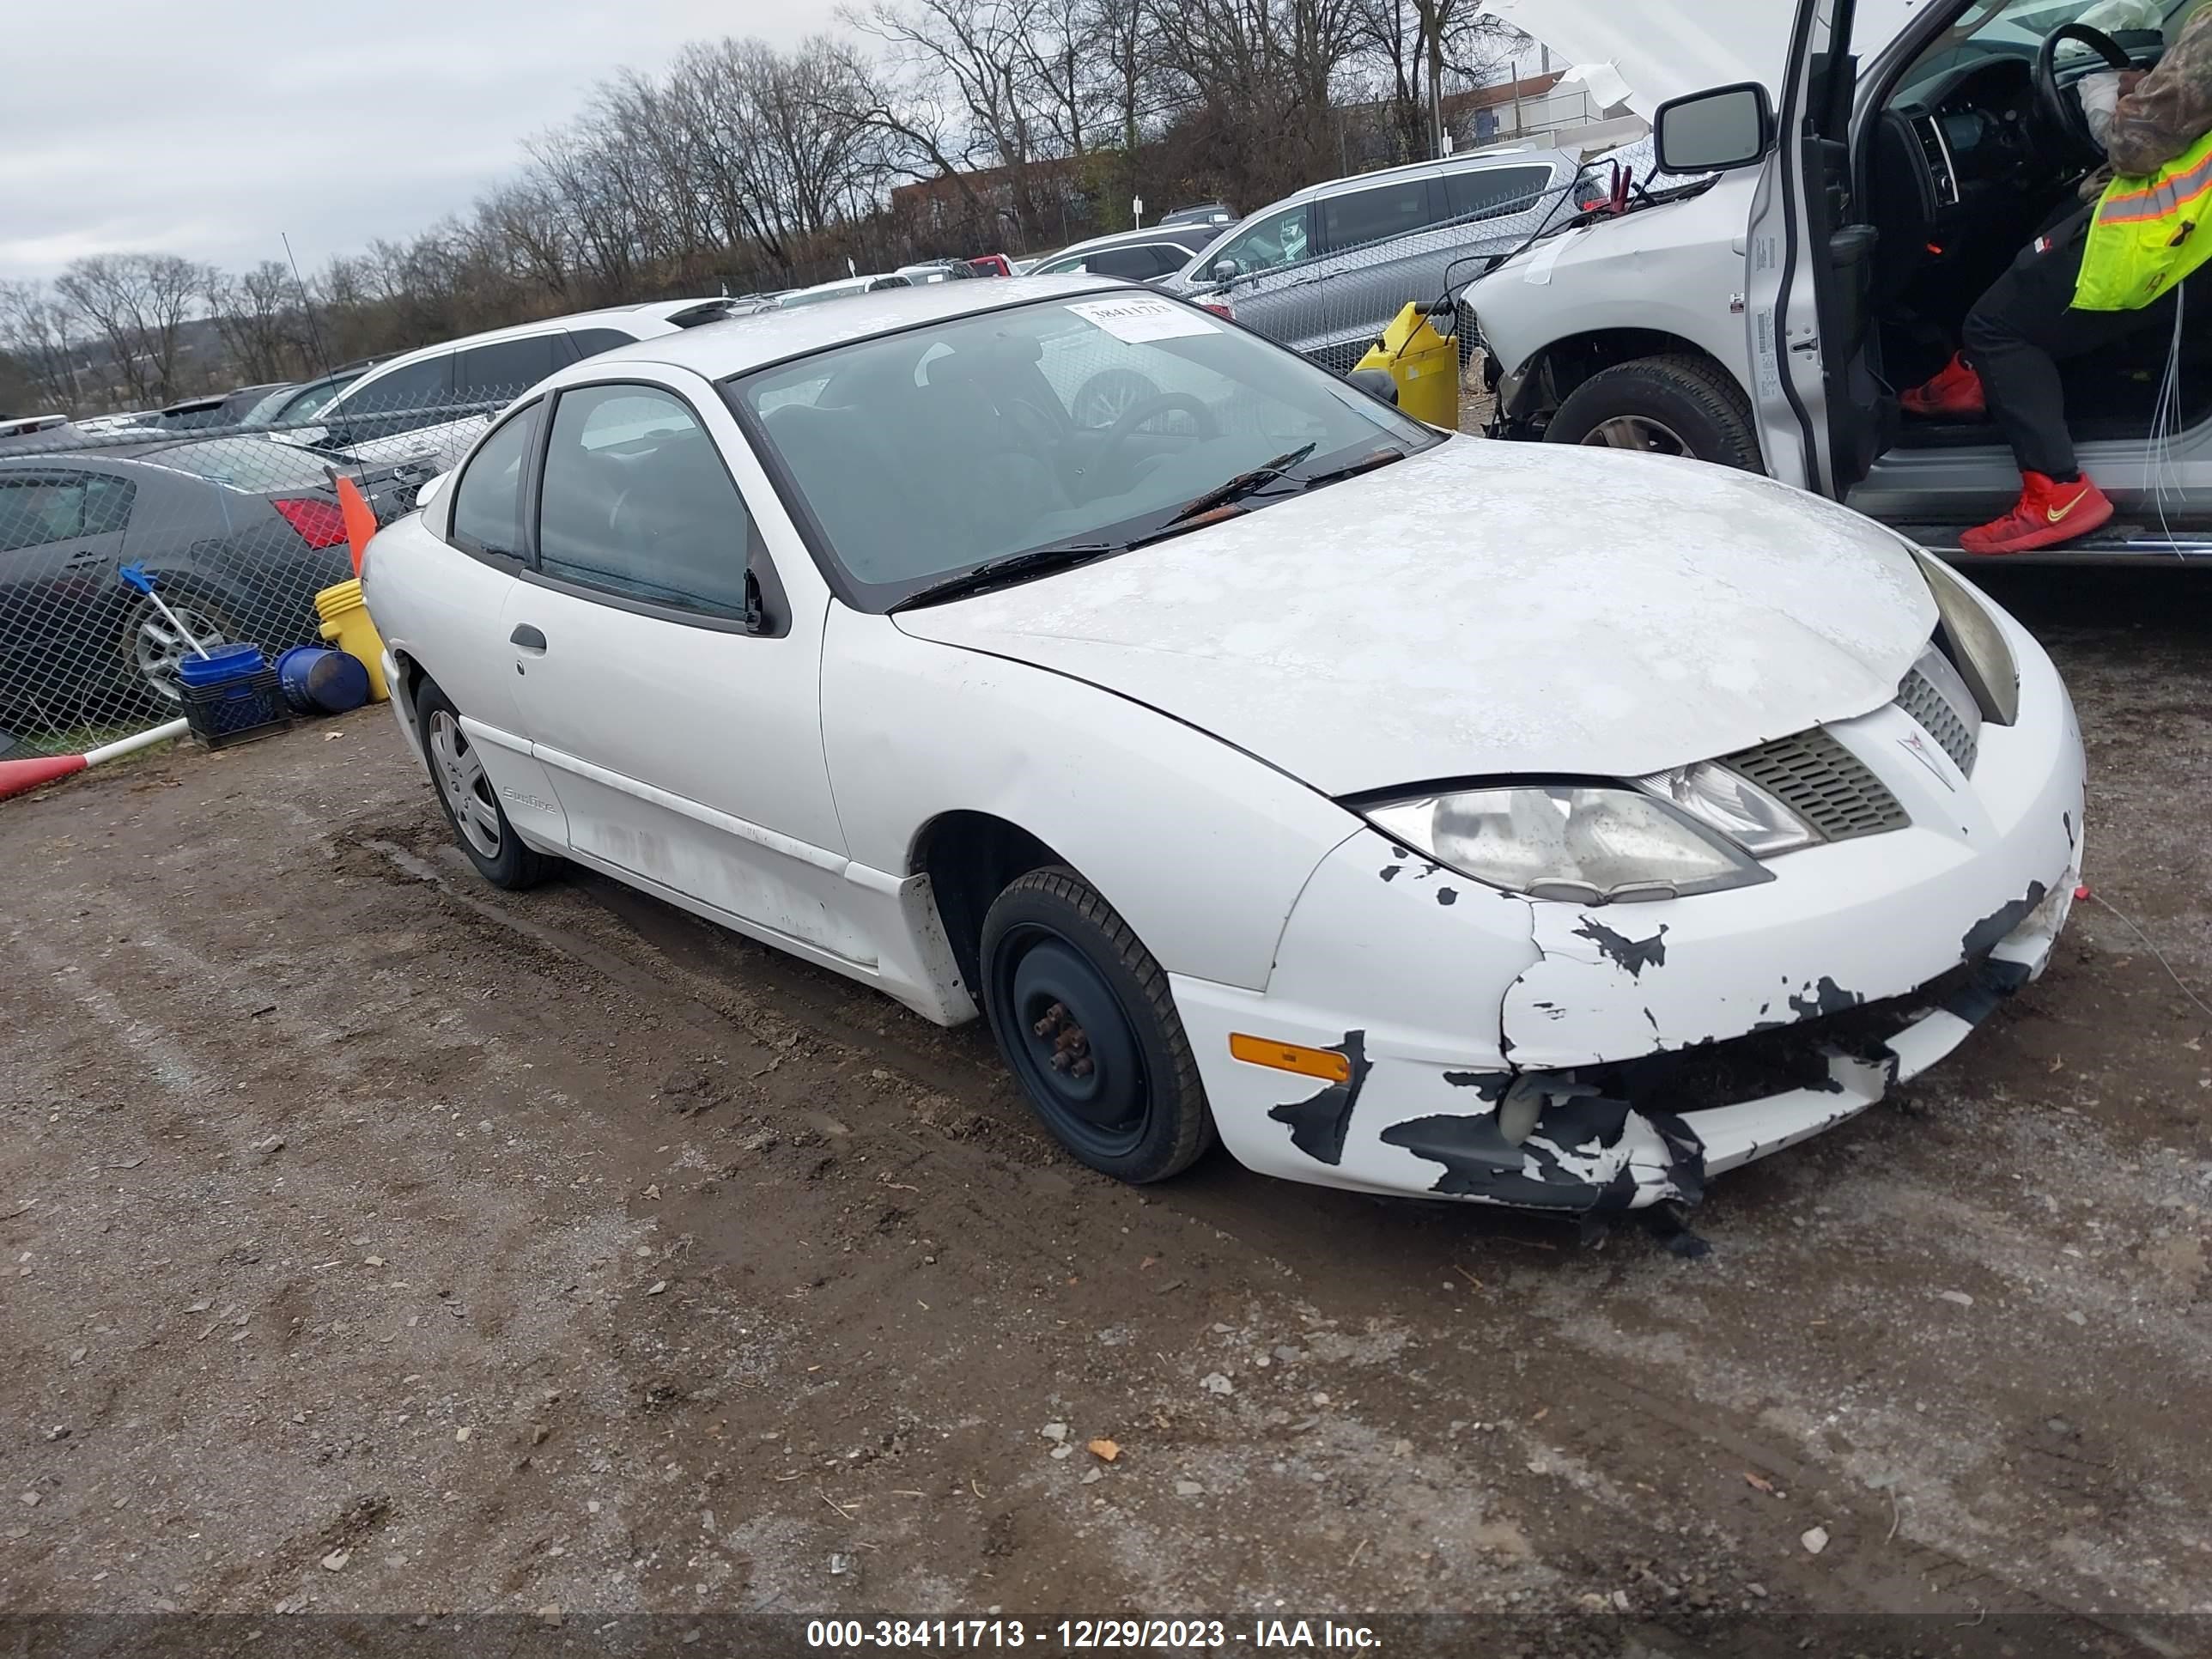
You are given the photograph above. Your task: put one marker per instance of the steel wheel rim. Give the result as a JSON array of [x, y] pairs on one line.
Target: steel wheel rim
[[158, 648], [1060, 1016], [462, 782], [1636, 432]]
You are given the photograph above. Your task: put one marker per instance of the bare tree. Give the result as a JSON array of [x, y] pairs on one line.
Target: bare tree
[[137, 303], [35, 330]]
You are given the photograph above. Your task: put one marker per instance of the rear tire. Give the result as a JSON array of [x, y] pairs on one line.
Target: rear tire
[[1672, 406], [1083, 1015], [471, 802]]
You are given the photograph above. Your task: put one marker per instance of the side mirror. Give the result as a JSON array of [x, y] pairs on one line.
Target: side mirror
[[1713, 131], [1226, 270], [1377, 383]]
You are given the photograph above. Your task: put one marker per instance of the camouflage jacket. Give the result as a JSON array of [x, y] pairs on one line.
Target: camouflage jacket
[[2170, 108]]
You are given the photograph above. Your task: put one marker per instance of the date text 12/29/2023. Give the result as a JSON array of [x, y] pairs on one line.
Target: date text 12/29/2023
[[1086, 1635]]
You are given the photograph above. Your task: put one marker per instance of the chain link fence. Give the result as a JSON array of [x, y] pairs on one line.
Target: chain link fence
[[237, 524]]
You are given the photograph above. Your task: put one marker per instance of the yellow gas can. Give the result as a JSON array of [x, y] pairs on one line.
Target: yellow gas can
[[346, 625], [1424, 363]]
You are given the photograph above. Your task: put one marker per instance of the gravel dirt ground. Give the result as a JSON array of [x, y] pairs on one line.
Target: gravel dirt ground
[[375, 1240]]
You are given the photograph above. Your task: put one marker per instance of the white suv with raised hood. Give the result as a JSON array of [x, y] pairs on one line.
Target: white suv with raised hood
[[1863, 170]]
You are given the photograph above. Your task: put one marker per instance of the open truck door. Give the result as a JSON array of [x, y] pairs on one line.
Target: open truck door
[[1808, 257], [1809, 267]]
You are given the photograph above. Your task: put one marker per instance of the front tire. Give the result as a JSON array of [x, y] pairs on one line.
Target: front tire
[[1083, 1015], [471, 804], [1672, 405]]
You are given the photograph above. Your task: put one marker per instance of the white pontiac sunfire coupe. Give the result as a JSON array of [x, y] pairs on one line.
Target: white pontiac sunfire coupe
[[1533, 826]]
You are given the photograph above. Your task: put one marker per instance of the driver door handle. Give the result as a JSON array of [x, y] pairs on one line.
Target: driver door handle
[[529, 638]]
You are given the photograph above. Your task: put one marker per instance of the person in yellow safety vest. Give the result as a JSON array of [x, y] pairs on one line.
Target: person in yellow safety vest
[[2099, 275]]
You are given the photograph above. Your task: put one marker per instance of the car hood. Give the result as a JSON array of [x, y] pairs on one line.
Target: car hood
[[1663, 49], [1487, 608]]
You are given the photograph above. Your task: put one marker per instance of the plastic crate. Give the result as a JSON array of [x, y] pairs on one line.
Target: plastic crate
[[236, 711]]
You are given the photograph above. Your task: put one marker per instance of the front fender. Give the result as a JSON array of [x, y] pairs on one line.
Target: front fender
[[1202, 848]]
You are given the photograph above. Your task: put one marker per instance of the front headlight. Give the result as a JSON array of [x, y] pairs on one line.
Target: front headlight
[[1732, 804], [1979, 649], [1581, 843]]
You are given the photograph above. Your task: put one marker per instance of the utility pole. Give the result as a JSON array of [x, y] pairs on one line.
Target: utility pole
[[1432, 23]]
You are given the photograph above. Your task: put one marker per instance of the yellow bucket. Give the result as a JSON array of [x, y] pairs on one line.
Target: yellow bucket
[[1424, 363], [346, 624]]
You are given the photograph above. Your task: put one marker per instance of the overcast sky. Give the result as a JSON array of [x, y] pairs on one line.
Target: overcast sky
[[205, 128]]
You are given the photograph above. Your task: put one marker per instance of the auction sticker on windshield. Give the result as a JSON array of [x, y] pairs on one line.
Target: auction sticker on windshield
[[1141, 318]]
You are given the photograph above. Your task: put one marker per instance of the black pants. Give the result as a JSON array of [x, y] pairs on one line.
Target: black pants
[[2019, 332]]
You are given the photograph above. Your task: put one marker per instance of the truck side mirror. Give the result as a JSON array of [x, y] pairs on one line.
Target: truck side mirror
[[1713, 131], [1226, 270]]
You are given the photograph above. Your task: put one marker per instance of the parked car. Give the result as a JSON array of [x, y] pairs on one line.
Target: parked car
[[242, 532], [1763, 315], [1141, 256], [28, 428], [295, 405], [1324, 270], [219, 409], [472, 377], [1267, 766], [937, 271], [844, 288], [1216, 214]]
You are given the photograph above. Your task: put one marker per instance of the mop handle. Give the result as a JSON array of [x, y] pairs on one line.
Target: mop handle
[[137, 576]]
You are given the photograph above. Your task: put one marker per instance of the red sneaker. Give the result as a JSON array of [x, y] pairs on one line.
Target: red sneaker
[[1955, 394], [2047, 515]]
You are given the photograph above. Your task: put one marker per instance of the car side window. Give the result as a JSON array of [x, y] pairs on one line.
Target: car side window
[[1281, 238], [488, 499], [1360, 216], [36, 511], [508, 369], [591, 342], [636, 502], [107, 504], [1487, 192], [416, 386], [1135, 263]]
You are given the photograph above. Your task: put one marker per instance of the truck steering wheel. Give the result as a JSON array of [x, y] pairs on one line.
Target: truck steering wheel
[[2066, 112]]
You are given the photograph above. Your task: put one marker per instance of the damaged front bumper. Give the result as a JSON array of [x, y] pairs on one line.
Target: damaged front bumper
[[1510, 1051]]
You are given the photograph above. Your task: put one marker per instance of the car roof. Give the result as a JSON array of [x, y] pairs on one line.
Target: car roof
[[656, 310], [738, 345], [1475, 160], [128, 444], [1193, 235]]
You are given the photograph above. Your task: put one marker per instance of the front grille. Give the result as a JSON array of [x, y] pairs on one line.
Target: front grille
[[1823, 782], [1919, 696]]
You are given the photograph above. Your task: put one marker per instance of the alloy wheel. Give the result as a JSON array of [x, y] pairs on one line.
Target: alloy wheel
[[461, 780], [1638, 432], [157, 648]]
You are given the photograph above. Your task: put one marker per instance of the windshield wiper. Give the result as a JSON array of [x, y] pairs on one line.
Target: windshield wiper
[[1364, 464], [995, 573], [1243, 484]]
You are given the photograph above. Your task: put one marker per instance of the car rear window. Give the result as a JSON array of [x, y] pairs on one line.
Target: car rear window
[[245, 464], [1483, 191]]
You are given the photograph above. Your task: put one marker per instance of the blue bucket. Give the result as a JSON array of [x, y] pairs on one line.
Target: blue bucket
[[316, 681], [222, 664]]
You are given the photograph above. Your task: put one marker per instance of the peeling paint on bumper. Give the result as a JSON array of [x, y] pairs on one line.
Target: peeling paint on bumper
[[1516, 1052]]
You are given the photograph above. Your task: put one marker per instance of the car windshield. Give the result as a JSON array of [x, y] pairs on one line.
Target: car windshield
[[1081, 424], [2016, 28], [255, 463]]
